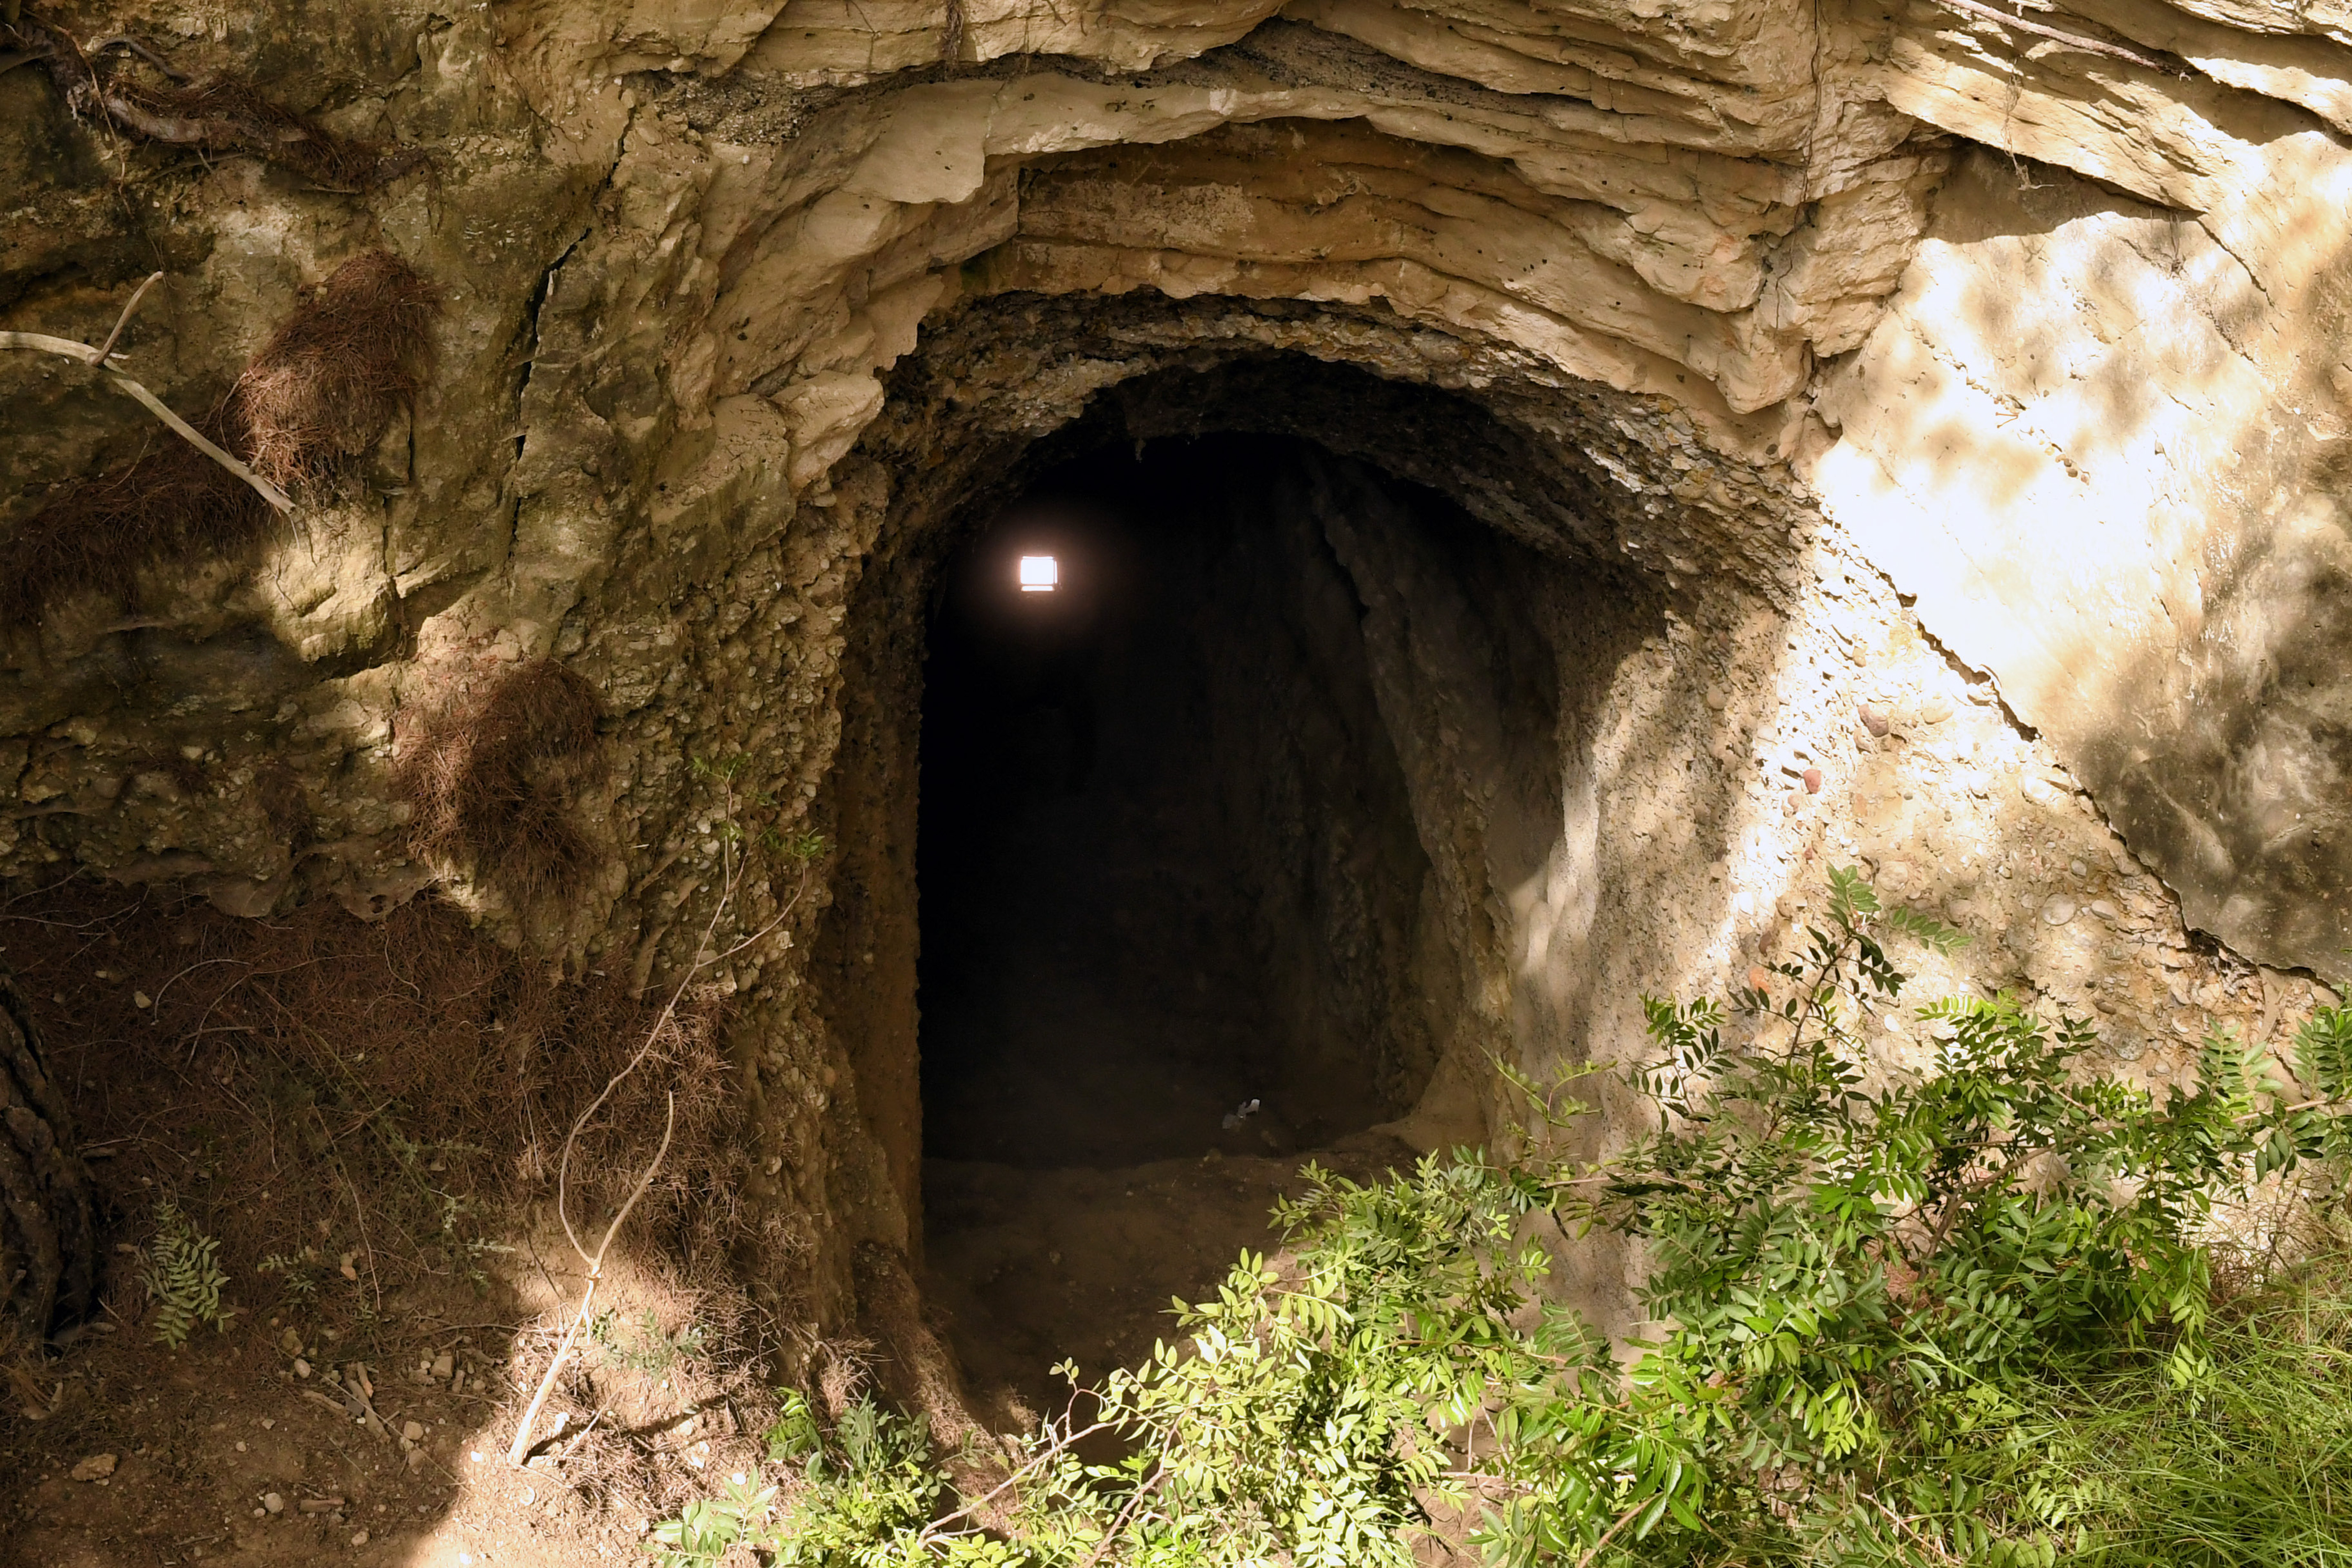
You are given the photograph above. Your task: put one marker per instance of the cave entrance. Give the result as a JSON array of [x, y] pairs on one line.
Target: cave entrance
[[1171, 895]]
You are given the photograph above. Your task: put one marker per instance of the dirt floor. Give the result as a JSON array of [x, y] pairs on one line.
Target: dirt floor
[[394, 1296], [1027, 1267], [350, 1112], [234, 1449]]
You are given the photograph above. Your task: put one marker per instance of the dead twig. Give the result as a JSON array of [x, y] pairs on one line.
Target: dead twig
[[595, 1261], [383, 1427], [106, 349]]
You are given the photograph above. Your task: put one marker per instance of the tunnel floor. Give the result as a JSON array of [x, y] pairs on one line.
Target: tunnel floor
[[1103, 823]]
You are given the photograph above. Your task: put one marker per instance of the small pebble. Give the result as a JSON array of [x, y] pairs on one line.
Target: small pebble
[[301, 1367], [1873, 718], [358, 1538], [412, 1430], [2057, 910], [141, 999], [96, 1468], [1813, 781], [273, 1502]]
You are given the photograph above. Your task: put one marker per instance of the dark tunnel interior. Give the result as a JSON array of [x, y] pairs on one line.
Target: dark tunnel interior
[[1147, 795]]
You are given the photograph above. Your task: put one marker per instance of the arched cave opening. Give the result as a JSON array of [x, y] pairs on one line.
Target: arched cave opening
[[1180, 924]]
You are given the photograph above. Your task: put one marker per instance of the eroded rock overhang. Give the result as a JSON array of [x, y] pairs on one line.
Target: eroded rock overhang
[[2103, 412]]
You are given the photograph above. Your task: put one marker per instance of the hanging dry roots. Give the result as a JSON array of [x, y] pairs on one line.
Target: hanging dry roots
[[495, 773], [320, 392], [218, 115], [49, 1240]]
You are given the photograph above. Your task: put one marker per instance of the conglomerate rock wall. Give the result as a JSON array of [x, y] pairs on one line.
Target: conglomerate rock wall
[[1937, 414]]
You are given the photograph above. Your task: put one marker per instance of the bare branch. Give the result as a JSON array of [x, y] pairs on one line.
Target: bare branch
[[669, 1128], [700, 961], [99, 358], [521, 1443], [106, 349], [730, 879]]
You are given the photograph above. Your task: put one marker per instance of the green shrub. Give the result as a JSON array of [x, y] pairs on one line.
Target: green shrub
[[708, 1527], [1965, 1315]]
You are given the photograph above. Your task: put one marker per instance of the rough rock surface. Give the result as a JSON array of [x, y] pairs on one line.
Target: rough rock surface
[[1988, 375]]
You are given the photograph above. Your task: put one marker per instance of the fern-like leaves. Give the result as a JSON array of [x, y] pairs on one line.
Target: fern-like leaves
[[183, 1275]]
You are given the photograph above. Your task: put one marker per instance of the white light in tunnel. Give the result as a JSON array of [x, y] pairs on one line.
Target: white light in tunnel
[[1039, 573]]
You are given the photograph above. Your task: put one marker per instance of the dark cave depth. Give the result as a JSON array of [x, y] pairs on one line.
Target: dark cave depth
[[1166, 859]]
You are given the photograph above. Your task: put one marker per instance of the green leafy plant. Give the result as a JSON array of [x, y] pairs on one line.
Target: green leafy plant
[[866, 1489], [1869, 1274], [181, 1273], [708, 1527], [298, 1274], [1897, 1309]]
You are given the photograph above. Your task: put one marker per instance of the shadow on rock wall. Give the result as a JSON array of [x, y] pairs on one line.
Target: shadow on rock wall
[[2109, 460]]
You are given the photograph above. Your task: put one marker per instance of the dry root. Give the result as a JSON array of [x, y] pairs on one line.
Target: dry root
[[219, 116], [496, 773], [48, 1238], [325, 386]]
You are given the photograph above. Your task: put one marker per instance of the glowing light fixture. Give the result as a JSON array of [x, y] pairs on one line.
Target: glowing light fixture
[[1039, 575]]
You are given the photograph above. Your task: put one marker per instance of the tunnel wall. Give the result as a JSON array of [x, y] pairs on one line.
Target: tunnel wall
[[740, 307]]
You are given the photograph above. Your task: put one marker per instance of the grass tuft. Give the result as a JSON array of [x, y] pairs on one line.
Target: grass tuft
[[2251, 1468]]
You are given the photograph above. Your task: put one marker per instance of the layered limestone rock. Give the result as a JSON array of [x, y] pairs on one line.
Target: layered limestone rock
[[1917, 357]]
